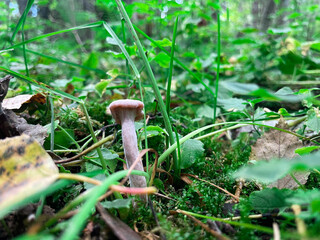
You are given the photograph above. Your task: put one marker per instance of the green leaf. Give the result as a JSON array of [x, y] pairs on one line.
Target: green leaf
[[191, 151], [302, 197], [270, 96], [231, 104], [61, 139], [113, 73], [306, 150], [153, 131], [163, 60], [315, 46], [102, 85], [268, 172], [315, 205], [206, 111], [274, 31], [269, 199], [240, 41], [313, 122], [108, 156], [239, 88], [117, 204], [283, 112], [163, 43], [91, 62]]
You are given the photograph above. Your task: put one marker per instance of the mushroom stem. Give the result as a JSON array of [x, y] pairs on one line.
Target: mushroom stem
[[129, 139]]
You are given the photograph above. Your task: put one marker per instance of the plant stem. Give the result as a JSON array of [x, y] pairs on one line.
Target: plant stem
[[79, 178], [103, 163], [52, 124], [171, 66], [151, 75], [218, 67]]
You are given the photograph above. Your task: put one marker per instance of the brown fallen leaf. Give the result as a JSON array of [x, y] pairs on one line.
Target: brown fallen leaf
[[25, 169], [277, 144], [18, 102]]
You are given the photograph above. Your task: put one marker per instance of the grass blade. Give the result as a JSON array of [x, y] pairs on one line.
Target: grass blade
[[90, 25], [40, 85], [123, 49], [150, 73], [22, 19], [171, 66], [67, 62], [218, 67]]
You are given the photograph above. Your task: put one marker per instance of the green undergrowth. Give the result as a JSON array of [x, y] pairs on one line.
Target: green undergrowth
[[215, 78]]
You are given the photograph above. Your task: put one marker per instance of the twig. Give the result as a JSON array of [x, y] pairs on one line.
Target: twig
[[216, 186], [204, 226], [141, 154], [89, 149]]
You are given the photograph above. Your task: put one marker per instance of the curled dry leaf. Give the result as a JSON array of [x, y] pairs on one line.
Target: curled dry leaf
[[25, 169], [17, 102], [277, 144]]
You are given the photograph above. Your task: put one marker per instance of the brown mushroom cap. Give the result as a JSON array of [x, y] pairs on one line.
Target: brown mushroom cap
[[125, 105]]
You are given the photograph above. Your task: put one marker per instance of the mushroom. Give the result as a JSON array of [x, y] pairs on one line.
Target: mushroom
[[125, 112]]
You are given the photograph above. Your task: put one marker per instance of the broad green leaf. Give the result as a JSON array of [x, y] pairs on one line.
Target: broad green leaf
[[94, 164], [313, 122], [206, 111], [239, 88], [302, 197], [315, 46], [278, 30], [270, 96], [102, 85], [25, 169], [163, 43], [240, 41], [163, 60], [315, 205], [268, 172], [191, 151], [91, 62], [306, 150], [283, 112], [117, 204], [153, 131], [48, 126], [198, 88], [232, 104], [62, 139], [113, 73], [108, 156], [269, 199]]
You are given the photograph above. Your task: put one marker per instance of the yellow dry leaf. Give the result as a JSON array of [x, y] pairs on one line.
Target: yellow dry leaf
[[25, 169]]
